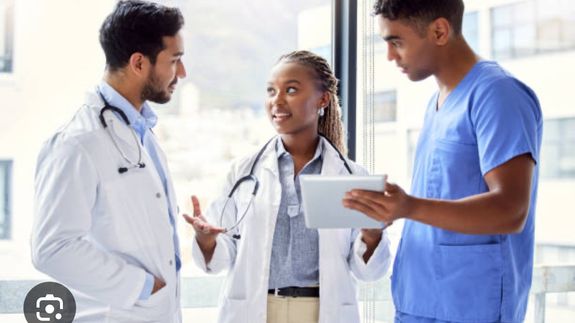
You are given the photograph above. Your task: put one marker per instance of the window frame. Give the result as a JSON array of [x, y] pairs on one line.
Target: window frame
[[7, 57], [344, 53], [6, 232]]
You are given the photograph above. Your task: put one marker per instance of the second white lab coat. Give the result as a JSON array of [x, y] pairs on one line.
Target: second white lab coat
[[98, 231], [248, 260]]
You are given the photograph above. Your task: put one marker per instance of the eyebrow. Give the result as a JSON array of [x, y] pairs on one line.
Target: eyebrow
[[293, 81], [391, 37], [286, 82], [178, 54]]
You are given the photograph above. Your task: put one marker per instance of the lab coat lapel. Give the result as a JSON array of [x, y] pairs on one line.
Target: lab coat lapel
[[332, 164], [269, 159], [123, 137]]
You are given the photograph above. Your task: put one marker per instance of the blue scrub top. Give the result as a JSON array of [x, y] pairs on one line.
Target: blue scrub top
[[488, 119]]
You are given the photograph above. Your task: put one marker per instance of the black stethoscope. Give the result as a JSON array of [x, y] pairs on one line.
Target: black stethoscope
[[129, 163], [252, 178]]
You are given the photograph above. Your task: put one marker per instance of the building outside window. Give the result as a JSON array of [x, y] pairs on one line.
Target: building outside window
[[385, 106], [558, 149], [532, 27], [6, 35], [470, 29]]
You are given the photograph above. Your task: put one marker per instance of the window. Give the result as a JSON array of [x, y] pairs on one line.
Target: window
[[385, 106], [470, 29], [532, 27], [558, 149], [5, 198], [6, 35]]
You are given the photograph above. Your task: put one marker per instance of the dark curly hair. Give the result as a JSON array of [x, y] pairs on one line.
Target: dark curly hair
[[420, 13], [137, 27]]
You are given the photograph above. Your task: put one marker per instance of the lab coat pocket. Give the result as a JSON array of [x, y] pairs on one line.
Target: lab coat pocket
[[469, 279], [348, 313], [234, 311], [157, 299]]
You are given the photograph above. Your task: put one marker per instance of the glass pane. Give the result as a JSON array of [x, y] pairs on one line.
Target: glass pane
[[221, 116], [549, 35], [501, 43], [3, 198], [471, 29], [385, 106], [216, 113], [502, 16], [523, 40], [524, 12], [516, 29]]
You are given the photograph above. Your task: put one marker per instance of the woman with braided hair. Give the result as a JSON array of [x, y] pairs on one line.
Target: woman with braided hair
[[279, 270]]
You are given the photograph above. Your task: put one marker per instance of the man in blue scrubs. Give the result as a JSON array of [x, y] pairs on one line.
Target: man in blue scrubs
[[466, 253]]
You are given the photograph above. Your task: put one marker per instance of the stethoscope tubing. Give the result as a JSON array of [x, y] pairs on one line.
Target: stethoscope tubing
[[251, 177], [112, 134]]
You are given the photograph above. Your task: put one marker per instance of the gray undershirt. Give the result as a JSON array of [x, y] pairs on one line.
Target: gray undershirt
[[295, 249]]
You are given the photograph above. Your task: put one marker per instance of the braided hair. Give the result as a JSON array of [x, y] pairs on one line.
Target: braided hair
[[329, 124]]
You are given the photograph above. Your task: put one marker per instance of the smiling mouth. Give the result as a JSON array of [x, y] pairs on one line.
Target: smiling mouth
[[281, 116]]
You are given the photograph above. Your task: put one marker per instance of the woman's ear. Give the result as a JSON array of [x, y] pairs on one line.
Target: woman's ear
[[325, 99]]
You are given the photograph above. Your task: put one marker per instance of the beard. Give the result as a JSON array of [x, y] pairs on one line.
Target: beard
[[154, 92]]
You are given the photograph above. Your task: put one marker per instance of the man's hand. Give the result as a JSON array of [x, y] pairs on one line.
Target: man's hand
[[206, 233], [158, 284], [387, 206]]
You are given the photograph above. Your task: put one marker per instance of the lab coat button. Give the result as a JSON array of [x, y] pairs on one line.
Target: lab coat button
[[171, 262], [158, 195]]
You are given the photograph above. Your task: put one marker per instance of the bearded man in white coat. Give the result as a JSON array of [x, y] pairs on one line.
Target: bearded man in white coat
[[104, 202]]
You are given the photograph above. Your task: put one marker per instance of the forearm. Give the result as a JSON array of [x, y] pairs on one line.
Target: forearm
[[487, 213], [207, 247], [373, 267], [371, 242]]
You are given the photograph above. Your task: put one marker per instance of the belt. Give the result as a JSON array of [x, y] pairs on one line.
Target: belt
[[295, 291]]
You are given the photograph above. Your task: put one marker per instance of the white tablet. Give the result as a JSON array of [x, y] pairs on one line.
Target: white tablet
[[322, 200]]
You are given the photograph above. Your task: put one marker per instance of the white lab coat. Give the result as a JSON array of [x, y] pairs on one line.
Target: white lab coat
[[98, 231], [244, 298]]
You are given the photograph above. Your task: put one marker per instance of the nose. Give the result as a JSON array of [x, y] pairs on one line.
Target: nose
[[278, 98], [391, 54], [181, 70]]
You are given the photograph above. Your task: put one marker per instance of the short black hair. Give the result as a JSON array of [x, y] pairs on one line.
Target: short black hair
[[137, 26], [422, 12]]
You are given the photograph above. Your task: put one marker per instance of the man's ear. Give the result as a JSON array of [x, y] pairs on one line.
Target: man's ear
[[139, 64], [440, 30]]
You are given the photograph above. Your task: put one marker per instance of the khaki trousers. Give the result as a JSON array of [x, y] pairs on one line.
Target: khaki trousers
[[283, 309]]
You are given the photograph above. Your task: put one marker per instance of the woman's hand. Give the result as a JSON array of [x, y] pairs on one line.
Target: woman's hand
[[206, 233]]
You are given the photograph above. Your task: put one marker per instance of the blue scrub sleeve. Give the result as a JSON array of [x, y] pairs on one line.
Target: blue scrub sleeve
[[507, 119]]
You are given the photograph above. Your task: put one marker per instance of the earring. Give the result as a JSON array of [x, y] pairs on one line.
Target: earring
[[321, 111]]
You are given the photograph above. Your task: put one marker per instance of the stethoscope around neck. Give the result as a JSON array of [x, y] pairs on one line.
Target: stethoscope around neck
[[250, 177], [129, 164]]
